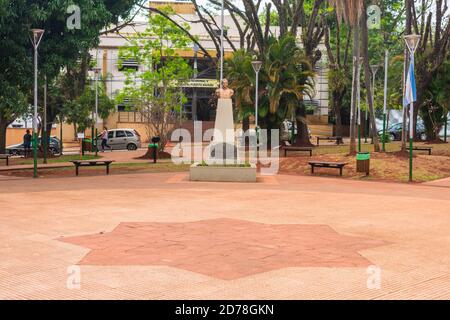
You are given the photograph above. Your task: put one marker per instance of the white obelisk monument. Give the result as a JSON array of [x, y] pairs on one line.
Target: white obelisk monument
[[223, 145]]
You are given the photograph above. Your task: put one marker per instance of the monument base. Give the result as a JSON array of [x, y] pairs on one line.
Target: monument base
[[223, 147], [223, 173]]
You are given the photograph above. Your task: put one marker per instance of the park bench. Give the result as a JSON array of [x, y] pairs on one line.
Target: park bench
[[292, 148], [91, 163], [338, 139], [322, 164], [428, 149], [5, 157]]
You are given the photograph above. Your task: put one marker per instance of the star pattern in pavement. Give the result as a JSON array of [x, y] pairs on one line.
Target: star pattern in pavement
[[224, 248]]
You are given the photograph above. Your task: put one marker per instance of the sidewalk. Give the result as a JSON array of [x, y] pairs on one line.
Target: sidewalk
[[117, 156], [445, 183], [304, 238], [31, 167]]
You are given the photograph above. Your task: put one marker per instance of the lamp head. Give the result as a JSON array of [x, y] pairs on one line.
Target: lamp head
[[257, 65], [374, 68], [36, 36], [412, 41]]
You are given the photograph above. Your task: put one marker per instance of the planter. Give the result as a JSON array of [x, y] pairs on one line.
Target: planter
[[217, 173]]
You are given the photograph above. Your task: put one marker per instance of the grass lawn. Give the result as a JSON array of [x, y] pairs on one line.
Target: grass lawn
[[389, 166], [61, 159], [442, 149], [116, 168]]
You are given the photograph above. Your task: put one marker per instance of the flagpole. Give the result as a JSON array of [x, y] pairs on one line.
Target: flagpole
[[386, 66], [411, 128], [412, 42]]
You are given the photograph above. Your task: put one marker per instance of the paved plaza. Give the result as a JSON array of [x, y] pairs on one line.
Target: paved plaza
[[159, 236]]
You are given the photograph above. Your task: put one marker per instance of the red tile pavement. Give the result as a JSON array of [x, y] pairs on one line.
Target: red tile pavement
[[410, 225], [235, 248]]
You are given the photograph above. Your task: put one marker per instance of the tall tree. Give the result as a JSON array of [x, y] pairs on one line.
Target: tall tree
[[434, 28], [368, 78], [339, 76], [351, 11], [155, 92], [60, 47]]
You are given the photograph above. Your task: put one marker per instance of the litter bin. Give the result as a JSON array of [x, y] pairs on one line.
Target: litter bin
[[87, 145], [154, 146], [363, 162]]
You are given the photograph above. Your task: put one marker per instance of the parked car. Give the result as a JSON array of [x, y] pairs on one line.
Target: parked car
[[395, 131], [54, 147], [122, 139]]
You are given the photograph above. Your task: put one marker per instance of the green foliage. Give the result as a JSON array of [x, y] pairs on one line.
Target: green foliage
[[79, 111], [59, 48], [437, 102], [285, 78], [385, 137], [156, 91]]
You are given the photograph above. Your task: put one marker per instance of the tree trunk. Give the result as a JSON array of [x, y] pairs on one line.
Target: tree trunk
[[3, 126], [75, 136], [408, 29], [352, 149], [368, 81], [337, 102], [302, 138], [245, 128]]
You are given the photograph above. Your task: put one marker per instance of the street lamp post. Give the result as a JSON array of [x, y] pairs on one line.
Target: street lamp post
[[194, 89], [95, 131], [358, 96], [412, 41], [44, 127], [386, 66], [374, 69], [36, 37], [257, 67]]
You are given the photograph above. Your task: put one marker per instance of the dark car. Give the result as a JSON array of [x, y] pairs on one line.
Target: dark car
[[19, 149], [395, 131]]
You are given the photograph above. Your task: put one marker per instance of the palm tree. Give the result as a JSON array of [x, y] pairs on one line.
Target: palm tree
[[242, 78], [289, 79], [285, 78], [351, 11]]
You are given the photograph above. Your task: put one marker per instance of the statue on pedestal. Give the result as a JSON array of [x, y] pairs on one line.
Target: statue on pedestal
[[224, 141], [225, 92]]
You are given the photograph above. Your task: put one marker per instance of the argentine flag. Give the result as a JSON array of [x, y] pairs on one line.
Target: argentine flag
[[410, 88]]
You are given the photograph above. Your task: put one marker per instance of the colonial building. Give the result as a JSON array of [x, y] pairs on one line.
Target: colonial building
[[198, 90]]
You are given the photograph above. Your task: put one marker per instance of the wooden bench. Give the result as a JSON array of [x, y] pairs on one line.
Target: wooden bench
[[5, 157], [321, 164], [291, 148], [338, 139], [428, 149], [91, 163]]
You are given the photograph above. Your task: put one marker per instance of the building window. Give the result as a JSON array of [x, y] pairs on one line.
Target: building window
[[128, 64]]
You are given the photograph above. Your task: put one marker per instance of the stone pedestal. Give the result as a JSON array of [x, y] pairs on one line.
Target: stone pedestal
[[224, 125], [223, 147]]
